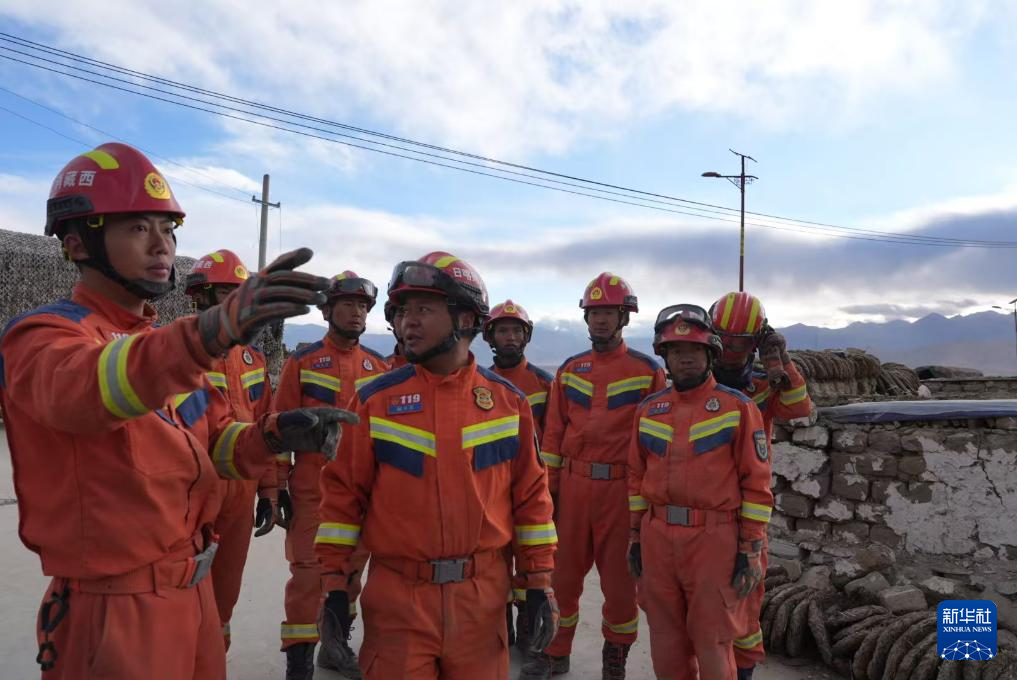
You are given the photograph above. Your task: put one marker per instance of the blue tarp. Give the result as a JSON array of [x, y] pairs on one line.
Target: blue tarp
[[903, 411]]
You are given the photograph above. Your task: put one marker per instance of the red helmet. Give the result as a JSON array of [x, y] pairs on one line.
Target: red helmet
[[608, 290], [444, 274], [220, 267], [507, 310], [685, 323], [348, 284], [112, 178], [739, 319]]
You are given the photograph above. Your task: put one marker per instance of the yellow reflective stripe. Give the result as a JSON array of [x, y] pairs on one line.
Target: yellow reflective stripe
[[568, 621], [623, 628], [753, 314], [180, 398], [252, 377], [404, 435], [490, 431], [536, 398], [760, 513], [638, 504], [574, 381], [656, 429], [360, 382], [298, 631], [749, 641], [640, 382], [443, 262], [283, 458], [118, 396], [714, 425], [102, 159], [728, 308], [353, 608], [519, 595], [222, 452], [226, 629], [762, 396], [789, 397], [217, 379], [536, 534], [335, 533], [321, 379], [552, 459]]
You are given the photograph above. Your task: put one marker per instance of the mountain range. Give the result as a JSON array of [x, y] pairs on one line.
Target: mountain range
[[984, 341]]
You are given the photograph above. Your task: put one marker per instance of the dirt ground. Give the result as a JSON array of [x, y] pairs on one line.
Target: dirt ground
[[254, 654]]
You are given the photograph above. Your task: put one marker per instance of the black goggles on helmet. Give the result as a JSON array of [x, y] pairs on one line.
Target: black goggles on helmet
[[353, 287], [420, 275], [691, 313]]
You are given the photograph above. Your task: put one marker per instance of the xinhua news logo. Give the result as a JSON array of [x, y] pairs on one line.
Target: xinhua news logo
[[966, 630]]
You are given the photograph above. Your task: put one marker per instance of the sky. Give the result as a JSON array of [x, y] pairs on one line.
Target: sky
[[891, 116]]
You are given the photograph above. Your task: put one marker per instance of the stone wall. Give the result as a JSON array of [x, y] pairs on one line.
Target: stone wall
[[908, 499], [1004, 387]]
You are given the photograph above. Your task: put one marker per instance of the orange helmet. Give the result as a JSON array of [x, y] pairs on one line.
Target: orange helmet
[[112, 178], [608, 290], [507, 310], [739, 319], [444, 274], [685, 323], [220, 267], [348, 284]]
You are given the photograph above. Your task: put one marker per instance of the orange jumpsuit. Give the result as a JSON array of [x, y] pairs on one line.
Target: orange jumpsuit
[[535, 383], [441, 474], [786, 404], [116, 489], [586, 443], [240, 377], [320, 374], [699, 481], [396, 360]]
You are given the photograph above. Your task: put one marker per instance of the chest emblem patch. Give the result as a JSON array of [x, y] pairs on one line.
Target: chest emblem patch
[[483, 398], [368, 366], [248, 359], [405, 403], [713, 404]]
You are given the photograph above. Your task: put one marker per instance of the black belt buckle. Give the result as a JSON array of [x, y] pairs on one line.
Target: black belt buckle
[[203, 564], [600, 471], [679, 515], [449, 571]]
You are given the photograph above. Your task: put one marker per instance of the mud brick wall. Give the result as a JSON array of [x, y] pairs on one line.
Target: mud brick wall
[[864, 497], [972, 388]]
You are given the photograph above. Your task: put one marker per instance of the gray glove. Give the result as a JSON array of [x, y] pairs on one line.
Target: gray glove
[[307, 429]]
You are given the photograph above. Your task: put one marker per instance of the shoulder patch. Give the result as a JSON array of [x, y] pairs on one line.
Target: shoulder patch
[[67, 309], [494, 377], [376, 355], [645, 358], [653, 396], [386, 380], [304, 351], [734, 393], [574, 357], [539, 372]]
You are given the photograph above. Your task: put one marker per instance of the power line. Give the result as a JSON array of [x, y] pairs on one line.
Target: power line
[[785, 224]]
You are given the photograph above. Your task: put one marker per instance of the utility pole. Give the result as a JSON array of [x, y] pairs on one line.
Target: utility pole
[[739, 180], [265, 205]]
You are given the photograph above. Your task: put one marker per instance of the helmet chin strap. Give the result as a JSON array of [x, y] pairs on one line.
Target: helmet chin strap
[[446, 345], [693, 383], [95, 245], [736, 378], [503, 359], [600, 344]]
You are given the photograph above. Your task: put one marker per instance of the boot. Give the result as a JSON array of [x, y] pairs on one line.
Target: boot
[[300, 661], [541, 667], [614, 656], [523, 631], [745, 673], [335, 653]]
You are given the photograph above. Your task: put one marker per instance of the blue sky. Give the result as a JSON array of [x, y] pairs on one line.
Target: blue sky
[[894, 116]]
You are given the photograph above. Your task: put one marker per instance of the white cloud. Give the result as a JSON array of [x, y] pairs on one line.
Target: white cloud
[[523, 77]]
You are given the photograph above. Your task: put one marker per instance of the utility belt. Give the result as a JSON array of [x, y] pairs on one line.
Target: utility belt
[[440, 572], [598, 471], [184, 567], [679, 515]]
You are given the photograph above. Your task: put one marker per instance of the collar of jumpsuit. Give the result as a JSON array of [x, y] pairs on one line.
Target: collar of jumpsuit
[[119, 316], [696, 393], [610, 355]]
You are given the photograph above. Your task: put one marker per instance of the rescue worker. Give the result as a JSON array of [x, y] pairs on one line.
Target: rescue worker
[[508, 331], [585, 445], [393, 317], [779, 390], [441, 477], [327, 372], [699, 494], [240, 377], [115, 485]]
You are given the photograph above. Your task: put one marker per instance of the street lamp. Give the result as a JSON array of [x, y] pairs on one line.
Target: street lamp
[[1014, 303], [739, 180]]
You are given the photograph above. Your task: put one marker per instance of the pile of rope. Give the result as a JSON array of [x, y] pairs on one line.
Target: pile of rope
[[837, 376]]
